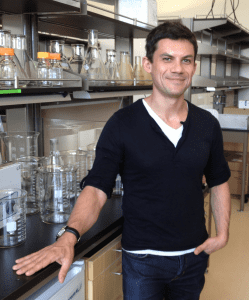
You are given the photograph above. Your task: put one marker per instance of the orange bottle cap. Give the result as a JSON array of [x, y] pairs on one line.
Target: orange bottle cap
[[55, 56], [6, 51], [42, 55]]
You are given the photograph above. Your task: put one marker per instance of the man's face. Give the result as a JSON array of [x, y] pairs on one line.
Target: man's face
[[173, 67]]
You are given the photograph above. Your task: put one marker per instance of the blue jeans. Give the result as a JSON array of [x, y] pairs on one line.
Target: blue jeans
[[152, 277]]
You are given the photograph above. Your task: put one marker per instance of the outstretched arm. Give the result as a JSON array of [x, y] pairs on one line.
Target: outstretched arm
[[84, 215], [221, 209]]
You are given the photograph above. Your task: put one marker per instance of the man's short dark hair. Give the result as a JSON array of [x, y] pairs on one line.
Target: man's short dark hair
[[168, 30]]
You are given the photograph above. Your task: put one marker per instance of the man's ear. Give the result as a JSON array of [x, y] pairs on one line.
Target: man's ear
[[146, 64]]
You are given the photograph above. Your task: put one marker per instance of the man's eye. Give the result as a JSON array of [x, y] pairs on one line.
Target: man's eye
[[187, 60], [167, 58]]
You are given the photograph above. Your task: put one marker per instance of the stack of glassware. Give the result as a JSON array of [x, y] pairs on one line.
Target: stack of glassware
[[57, 46], [76, 61]]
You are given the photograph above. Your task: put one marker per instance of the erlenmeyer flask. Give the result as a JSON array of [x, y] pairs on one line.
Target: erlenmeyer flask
[[93, 65], [57, 46], [19, 44], [125, 69], [112, 66], [76, 61], [138, 72]]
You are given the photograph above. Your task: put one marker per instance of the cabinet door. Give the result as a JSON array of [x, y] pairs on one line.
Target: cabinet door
[[101, 281]]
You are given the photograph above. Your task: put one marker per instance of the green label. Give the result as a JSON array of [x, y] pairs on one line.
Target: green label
[[18, 91]]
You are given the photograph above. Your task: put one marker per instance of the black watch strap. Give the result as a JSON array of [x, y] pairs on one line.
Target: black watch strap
[[74, 231]]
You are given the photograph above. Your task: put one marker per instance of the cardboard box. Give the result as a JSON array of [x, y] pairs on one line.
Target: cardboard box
[[235, 110]]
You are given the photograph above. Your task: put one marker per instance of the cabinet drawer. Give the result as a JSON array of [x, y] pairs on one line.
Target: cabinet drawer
[[101, 260], [107, 286]]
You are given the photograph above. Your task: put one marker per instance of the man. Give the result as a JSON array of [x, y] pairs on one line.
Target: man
[[161, 146]]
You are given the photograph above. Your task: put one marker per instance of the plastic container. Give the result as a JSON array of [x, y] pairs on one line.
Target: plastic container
[[76, 61], [57, 70], [44, 69], [12, 217], [56, 192], [20, 144], [8, 68]]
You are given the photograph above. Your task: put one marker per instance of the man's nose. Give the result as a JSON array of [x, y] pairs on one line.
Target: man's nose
[[177, 66]]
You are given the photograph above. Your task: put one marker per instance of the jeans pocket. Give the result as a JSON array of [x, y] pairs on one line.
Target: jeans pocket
[[204, 254], [136, 255]]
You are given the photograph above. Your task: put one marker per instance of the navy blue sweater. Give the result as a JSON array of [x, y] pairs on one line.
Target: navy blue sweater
[[163, 205]]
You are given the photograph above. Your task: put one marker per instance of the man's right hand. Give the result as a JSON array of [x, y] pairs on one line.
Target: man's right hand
[[62, 252]]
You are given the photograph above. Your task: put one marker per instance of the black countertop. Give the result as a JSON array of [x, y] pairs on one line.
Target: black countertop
[[40, 235]]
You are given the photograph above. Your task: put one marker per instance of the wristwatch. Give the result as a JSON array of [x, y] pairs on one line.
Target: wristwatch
[[68, 229]]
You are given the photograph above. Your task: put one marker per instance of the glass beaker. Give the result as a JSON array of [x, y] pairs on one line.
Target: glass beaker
[[20, 144], [56, 192], [112, 66], [56, 69], [5, 38], [118, 188], [8, 68], [91, 150], [125, 69], [147, 77], [138, 72], [93, 65], [76, 61], [19, 44], [12, 217], [77, 158], [57, 46], [29, 166]]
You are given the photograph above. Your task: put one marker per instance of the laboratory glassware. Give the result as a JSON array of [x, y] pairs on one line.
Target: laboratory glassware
[[112, 67], [93, 66], [138, 72], [44, 69], [20, 144], [8, 68], [91, 150], [5, 38], [76, 61], [56, 192], [57, 46], [125, 69], [12, 217], [56, 68]]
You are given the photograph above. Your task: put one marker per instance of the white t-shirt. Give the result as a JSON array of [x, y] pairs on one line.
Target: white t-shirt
[[174, 136]]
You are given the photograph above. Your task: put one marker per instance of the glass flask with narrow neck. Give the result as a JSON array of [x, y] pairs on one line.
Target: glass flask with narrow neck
[[57, 46], [138, 72], [56, 69], [19, 44], [125, 69], [93, 65], [7, 67], [44, 70], [76, 61], [112, 67]]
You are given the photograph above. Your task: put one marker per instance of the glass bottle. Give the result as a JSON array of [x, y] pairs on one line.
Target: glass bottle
[[44, 70], [5, 38], [57, 70], [29, 68], [93, 65], [57, 46], [112, 66], [125, 69], [76, 61], [7, 67], [138, 72]]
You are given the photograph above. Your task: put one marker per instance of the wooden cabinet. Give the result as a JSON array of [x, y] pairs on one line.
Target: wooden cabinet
[[104, 273]]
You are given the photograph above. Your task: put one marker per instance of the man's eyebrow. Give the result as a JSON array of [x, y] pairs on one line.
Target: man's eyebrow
[[186, 56]]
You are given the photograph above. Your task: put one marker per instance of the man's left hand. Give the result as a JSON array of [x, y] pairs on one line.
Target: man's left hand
[[211, 245]]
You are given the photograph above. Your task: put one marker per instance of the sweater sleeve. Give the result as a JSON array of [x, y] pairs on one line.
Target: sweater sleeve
[[107, 160], [217, 170]]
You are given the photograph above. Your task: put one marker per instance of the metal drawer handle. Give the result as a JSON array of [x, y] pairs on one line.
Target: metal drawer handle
[[115, 273], [117, 250]]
